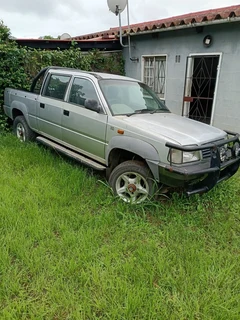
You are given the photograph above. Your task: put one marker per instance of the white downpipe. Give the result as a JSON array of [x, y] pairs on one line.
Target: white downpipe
[[128, 21], [121, 35]]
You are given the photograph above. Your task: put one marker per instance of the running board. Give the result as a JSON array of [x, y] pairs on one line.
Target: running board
[[71, 154]]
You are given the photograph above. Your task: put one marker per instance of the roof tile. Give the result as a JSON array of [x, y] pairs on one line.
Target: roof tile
[[185, 19]]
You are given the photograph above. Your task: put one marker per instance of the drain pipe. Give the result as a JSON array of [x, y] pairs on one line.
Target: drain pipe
[[120, 33]]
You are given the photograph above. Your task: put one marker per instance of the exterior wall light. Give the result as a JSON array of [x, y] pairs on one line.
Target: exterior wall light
[[207, 41]]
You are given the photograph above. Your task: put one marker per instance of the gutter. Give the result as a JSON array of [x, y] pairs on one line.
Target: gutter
[[184, 26]]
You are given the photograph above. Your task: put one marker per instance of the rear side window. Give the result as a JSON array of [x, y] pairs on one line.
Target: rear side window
[[56, 86]]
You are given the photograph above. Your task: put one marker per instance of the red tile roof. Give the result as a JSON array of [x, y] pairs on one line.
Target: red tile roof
[[190, 19]]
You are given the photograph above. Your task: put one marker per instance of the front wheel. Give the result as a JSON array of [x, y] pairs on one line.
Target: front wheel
[[22, 130], [132, 181]]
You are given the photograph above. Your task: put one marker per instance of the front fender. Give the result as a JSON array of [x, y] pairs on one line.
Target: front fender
[[141, 148]]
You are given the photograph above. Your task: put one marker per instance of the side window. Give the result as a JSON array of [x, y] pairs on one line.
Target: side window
[[56, 86], [82, 90]]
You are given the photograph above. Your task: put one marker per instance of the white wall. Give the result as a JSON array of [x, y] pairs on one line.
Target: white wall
[[226, 40]]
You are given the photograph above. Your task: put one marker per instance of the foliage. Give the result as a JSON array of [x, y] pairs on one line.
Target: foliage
[[70, 250], [18, 65], [4, 32], [48, 37]]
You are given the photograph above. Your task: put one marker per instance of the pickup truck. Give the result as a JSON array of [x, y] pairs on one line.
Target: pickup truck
[[118, 124]]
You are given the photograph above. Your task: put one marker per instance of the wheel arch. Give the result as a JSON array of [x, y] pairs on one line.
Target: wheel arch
[[126, 148], [19, 109], [16, 112]]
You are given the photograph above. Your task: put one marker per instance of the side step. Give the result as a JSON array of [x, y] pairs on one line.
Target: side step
[[71, 154]]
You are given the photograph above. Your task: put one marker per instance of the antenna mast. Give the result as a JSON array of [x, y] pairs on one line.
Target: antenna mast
[[117, 7]]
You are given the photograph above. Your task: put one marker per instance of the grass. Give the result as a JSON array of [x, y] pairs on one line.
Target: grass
[[70, 250]]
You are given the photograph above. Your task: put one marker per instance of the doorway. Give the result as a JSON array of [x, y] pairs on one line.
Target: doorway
[[200, 85]]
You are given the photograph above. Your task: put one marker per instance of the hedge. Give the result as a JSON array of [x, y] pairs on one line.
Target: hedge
[[19, 65]]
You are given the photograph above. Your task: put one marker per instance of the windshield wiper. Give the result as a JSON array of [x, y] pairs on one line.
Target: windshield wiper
[[159, 110], [139, 112]]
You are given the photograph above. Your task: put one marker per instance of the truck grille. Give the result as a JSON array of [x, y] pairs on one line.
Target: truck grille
[[225, 153], [206, 153]]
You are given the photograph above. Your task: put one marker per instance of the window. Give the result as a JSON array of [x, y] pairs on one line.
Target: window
[[81, 91], [56, 86], [38, 84], [154, 74], [129, 97]]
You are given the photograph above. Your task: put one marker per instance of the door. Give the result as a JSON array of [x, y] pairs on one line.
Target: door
[[83, 128], [200, 86], [50, 106]]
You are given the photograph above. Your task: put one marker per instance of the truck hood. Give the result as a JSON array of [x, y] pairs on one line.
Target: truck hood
[[174, 128]]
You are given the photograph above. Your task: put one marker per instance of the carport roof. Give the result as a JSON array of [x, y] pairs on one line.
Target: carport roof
[[193, 19]]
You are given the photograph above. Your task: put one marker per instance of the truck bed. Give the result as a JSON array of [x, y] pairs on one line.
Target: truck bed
[[15, 98]]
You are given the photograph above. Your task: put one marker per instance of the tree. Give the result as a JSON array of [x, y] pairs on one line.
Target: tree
[[48, 37], [4, 32]]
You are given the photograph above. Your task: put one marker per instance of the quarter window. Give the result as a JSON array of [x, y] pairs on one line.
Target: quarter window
[[56, 86], [154, 74], [38, 84]]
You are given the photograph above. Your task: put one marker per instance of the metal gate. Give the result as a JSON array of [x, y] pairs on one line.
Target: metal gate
[[200, 83]]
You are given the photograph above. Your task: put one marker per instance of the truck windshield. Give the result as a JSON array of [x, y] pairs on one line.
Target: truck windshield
[[129, 97]]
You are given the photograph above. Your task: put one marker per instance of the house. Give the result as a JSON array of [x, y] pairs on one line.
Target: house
[[192, 62]]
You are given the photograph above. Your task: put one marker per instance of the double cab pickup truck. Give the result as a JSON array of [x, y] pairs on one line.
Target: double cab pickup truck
[[119, 125]]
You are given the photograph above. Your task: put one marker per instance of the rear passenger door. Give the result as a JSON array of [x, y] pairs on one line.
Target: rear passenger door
[[50, 105], [82, 128]]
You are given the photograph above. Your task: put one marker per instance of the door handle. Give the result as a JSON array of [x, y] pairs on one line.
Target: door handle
[[66, 112], [42, 105]]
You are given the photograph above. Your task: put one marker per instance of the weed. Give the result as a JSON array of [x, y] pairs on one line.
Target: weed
[[70, 250]]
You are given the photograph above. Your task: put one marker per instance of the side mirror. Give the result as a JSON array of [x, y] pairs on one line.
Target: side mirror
[[93, 105], [163, 101]]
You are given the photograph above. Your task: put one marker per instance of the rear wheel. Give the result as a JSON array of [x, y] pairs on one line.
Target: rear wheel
[[132, 181], [22, 130]]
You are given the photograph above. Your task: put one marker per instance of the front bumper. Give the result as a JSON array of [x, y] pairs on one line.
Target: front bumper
[[204, 175]]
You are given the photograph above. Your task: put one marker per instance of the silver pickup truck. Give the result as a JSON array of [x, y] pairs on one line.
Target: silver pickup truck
[[119, 125]]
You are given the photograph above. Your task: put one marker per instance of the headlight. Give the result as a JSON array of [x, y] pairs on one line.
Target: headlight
[[223, 154], [236, 149], [178, 157]]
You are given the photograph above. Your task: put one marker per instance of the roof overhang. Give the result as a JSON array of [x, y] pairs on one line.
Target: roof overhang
[[106, 45], [191, 20], [183, 26]]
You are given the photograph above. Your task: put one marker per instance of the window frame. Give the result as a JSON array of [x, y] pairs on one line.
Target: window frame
[[164, 57], [47, 81], [70, 88]]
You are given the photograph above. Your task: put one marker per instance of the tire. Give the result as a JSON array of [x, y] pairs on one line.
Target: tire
[[22, 130], [132, 181]]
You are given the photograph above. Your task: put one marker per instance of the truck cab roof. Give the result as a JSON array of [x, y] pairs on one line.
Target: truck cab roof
[[78, 72]]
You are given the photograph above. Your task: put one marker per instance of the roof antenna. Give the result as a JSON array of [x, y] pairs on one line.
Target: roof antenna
[[117, 7]]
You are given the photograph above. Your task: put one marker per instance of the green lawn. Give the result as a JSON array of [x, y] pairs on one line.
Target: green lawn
[[70, 250]]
